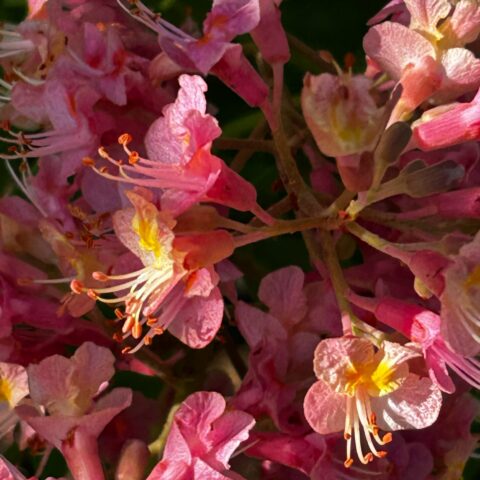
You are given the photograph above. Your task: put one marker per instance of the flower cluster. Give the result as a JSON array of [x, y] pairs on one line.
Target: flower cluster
[[141, 334]]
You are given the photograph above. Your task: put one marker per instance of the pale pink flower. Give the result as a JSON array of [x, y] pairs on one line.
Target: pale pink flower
[[202, 439], [13, 389], [361, 390], [423, 327], [66, 389], [427, 57], [345, 122], [176, 288]]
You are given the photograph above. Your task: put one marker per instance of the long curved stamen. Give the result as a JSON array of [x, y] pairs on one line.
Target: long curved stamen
[[358, 412]]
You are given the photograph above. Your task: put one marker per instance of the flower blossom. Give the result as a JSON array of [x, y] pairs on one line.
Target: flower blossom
[[202, 439], [66, 389], [428, 57], [423, 327], [176, 286], [361, 391], [179, 159]]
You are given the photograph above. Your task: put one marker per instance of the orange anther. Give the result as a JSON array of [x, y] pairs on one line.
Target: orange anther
[[133, 158], [102, 152], [148, 340], [373, 419], [91, 294], [347, 436], [100, 276], [76, 286], [137, 330], [387, 438], [88, 161], [382, 454], [103, 170], [125, 139], [158, 331], [119, 314], [368, 457], [348, 462], [126, 350], [24, 281], [151, 321]]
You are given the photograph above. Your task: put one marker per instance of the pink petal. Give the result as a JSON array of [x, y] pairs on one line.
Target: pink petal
[[282, 292], [256, 325], [324, 409], [426, 14], [462, 73], [228, 432], [465, 21], [334, 356], [416, 404], [438, 372], [198, 321], [394, 47]]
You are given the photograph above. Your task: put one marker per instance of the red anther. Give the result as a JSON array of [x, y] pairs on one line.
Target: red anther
[[133, 158], [102, 152], [326, 56], [76, 286], [117, 337], [12, 149], [373, 419], [100, 276], [103, 170], [137, 330], [375, 430], [349, 60], [369, 457], [88, 161], [125, 139], [387, 438], [126, 350], [119, 314], [24, 281], [348, 462], [347, 436], [382, 454]]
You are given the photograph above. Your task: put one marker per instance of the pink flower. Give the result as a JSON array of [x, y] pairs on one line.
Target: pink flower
[[345, 122], [460, 300], [202, 439], [423, 327], [178, 146], [176, 288], [66, 389], [213, 51], [13, 389], [361, 390], [427, 58], [282, 343]]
